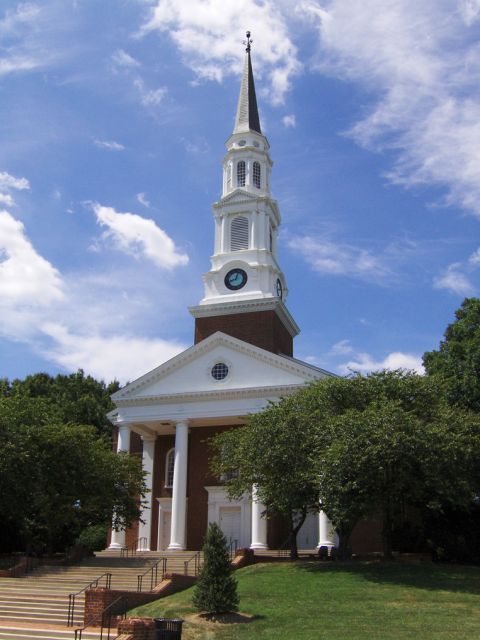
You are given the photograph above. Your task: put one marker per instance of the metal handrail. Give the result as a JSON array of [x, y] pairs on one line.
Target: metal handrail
[[284, 549], [196, 564], [153, 570], [133, 548], [101, 616], [72, 596]]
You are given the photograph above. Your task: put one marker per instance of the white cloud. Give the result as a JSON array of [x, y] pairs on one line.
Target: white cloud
[[139, 237], [108, 357], [289, 121], [6, 199], [26, 278], [207, 36], [343, 347], [421, 63], [364, 363], [8, 182], [123, 59], [454, 281], [327, 257], [150, 97], [111, 145], [475, 258], [142, 198]]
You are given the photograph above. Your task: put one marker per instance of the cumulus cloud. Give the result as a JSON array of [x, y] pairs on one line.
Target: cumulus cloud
[[111, 145], [26, 278], [475, 258], [421, 63], [455, 281], [364, 363], [108, 357], [207, 36], [139, 236], [9, 182], [327, 257]]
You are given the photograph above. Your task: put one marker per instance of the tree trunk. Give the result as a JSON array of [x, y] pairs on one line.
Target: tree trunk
[[294, 529]]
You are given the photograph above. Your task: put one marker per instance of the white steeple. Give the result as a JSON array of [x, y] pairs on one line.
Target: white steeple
[[244, 263]]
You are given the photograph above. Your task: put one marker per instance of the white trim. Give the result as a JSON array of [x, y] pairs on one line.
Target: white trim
[[304, 370], [248, 306], [218, 498]]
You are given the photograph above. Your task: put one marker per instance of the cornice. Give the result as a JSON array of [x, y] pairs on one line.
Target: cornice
[[216, 395], [248, 306]]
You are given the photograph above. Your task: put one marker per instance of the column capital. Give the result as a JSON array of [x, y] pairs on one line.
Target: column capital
[[149, 438]]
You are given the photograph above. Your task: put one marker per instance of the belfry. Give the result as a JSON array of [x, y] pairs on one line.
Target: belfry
[[242, 359]]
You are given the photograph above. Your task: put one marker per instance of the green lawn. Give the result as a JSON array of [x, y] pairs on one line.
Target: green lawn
[[313, 601]]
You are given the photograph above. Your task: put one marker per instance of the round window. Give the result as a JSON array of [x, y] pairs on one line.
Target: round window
[[219, 371], [242, 143]]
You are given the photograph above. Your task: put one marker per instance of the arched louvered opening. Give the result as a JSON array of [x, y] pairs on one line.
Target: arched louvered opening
[[241, 173], [239, 234], [256, 175]]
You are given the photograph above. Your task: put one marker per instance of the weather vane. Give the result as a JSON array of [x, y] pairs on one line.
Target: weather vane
[[248, 42]]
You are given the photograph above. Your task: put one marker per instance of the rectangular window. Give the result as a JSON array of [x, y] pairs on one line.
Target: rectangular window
[[256, 175], [241, 174]]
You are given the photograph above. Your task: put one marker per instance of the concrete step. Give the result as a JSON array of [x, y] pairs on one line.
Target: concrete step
[[31, 632]]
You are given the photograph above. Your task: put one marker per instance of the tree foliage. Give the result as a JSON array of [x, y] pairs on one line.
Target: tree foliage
[[365, 446], [216, 589], [456, 364], [76, 397], [58, 477]]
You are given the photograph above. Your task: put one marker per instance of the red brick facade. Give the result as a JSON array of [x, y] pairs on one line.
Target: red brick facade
[[264, 329]]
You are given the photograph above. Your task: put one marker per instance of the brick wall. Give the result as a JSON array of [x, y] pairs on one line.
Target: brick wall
[[262, 328]]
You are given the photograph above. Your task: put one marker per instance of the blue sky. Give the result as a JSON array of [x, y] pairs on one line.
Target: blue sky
[[113, 116]]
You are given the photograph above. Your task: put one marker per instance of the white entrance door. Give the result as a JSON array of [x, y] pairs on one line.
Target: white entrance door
[[307, 537], [166, 517], [230, 523]]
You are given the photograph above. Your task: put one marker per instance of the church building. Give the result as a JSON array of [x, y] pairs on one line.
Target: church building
[[241, 359]]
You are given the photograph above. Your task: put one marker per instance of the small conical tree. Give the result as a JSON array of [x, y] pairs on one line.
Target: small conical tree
[[216, 589]]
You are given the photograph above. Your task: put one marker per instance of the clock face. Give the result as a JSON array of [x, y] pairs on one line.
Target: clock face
[[235, 279], [279, 288]]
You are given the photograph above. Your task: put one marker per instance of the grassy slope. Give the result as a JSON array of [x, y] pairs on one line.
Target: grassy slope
[[313, 601]]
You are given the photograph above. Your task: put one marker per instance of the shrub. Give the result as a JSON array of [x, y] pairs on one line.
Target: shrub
[[216, 589], [93, 538]]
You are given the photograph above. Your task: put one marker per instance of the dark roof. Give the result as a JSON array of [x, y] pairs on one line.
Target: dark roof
[[247, 118]]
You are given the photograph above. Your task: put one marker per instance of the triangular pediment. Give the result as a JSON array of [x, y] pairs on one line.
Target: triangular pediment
[[190, 372]]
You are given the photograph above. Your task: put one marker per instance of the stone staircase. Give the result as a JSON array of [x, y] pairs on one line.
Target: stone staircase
[[36, 606]]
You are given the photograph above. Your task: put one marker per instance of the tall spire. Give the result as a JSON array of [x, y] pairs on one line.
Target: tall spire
[[247, 118]]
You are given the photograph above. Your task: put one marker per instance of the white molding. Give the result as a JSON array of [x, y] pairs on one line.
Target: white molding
[[248, 306], [304, 370]]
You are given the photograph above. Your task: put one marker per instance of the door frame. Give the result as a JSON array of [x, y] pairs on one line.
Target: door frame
[[217, 498]]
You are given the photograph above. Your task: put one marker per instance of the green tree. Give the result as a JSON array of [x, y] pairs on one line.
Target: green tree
[[56, 479], [78, 398], [216, 589], [275, 452], [366, 446], [456, 364]]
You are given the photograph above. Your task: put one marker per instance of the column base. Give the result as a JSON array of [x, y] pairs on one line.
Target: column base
[[258, 545], [174, 546], [328, 544], [115, 546]]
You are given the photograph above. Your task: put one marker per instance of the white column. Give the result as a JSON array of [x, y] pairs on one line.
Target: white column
[[259, 524], [327, 536], [179, 492], [145, 527], [123, 444]]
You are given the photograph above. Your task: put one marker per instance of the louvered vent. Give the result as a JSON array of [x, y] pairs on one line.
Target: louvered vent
[[239, 238]]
